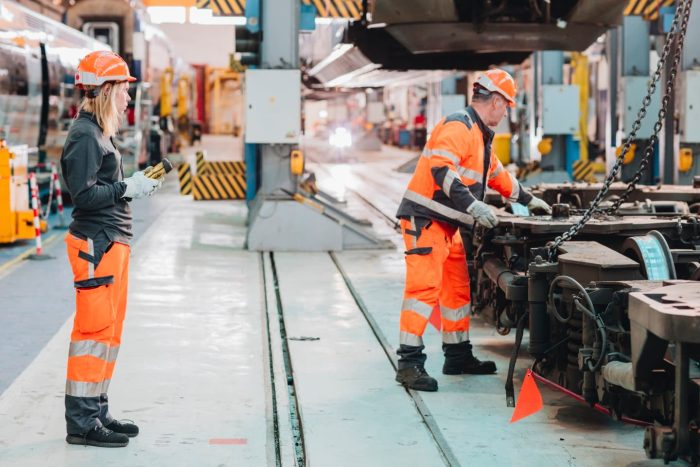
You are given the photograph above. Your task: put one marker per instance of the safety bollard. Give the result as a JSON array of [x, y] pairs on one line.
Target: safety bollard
[[34, 188], [44, 214], [59, 198]]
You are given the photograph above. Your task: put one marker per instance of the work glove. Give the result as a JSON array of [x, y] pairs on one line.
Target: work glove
[[158, 185], [483, 214], [138, 186], [536, 203]]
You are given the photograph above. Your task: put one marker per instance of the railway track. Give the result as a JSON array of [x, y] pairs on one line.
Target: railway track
[[287, 421]]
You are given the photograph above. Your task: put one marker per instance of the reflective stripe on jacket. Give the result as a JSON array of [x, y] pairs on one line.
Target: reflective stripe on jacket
[[453, 168]]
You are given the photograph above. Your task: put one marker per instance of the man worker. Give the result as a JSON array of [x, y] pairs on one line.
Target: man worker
[[447, 192]]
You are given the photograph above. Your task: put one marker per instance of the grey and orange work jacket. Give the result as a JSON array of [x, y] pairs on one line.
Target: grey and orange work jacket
[[455, 166]]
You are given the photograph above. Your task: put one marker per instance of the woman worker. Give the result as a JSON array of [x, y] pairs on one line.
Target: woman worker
[[98, 247]]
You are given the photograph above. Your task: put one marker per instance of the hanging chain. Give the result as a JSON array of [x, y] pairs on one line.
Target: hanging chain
[[682, 15]]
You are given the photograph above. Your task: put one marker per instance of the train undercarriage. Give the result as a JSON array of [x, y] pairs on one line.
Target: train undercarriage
[[613, 316]]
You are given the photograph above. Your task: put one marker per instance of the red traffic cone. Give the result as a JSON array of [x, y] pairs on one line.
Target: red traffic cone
[[436, 318], [529, 400]]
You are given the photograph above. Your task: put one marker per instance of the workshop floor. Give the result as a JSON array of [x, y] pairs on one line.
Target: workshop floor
[[239, 358]]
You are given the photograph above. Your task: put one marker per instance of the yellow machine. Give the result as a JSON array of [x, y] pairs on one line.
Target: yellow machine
[[166, 93], [223, 98], [183, 96], [16, 219]]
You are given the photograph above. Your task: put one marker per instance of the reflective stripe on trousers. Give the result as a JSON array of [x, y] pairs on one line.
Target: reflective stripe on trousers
[[436, 278]]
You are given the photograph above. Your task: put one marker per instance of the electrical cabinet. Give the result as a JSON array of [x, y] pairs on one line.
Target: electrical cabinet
[[273, 106], [632, 92], [689, 106], [560, 109]]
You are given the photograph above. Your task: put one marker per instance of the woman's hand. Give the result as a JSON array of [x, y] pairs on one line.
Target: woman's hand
[[139, 185]]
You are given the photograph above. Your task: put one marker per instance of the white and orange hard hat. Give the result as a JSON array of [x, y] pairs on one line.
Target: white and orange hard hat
[[499, 81], [97, 68]]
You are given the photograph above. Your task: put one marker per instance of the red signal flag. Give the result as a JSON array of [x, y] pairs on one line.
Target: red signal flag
[[529, 400]]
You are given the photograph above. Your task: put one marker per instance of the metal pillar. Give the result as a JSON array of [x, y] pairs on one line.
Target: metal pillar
[[557, 116], [280, 218], [635, 73], [251, 158], [552, 67], [691, 45], [533, 100], [687, 143], [611, 118], [667, 140], [635, 57]]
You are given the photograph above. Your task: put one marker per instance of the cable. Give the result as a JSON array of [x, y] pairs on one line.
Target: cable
[[570, 281], [600, 325], [590, 311], [551, 349]]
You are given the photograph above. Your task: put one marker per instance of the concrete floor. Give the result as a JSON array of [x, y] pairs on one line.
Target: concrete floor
[[203, 370]]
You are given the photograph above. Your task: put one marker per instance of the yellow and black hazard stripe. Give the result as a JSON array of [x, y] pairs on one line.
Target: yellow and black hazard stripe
[[185, 176], [583, 171], [228, 7], [223, 7], [226, 167], [201, 164], [350, 9], [218, 186], [649, 9]]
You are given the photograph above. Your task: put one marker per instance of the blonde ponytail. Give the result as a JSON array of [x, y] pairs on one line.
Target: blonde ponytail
[[104, 107]]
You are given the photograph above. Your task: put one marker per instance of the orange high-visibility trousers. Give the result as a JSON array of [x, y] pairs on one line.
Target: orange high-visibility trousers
[[100, 307], [436, 274]]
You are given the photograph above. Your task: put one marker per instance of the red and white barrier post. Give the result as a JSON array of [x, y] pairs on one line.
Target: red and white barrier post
[[59, 197], [35, 208], [34, 188]]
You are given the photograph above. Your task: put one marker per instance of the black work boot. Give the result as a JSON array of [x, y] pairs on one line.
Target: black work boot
[[411, 372], [459, 360], [99, 436], [125, 427], [417, 378]]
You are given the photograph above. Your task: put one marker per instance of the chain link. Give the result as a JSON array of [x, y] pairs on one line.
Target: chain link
[[682, 15]]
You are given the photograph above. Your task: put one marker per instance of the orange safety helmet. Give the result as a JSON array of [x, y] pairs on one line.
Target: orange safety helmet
[[499, 81], [97, 68]]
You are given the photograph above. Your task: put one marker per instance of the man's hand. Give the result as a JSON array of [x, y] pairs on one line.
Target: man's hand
[[536, 203], [482, 214], [138, 186]]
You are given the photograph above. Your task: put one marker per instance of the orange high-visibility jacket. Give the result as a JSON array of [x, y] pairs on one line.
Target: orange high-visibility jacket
[[453, 168]]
